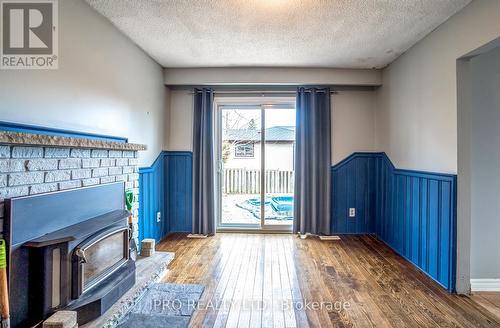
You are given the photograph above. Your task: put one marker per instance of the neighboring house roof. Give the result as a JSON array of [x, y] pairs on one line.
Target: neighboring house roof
[[275, 133]]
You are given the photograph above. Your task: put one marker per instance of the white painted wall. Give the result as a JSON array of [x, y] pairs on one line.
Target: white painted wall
[[485, 165], [180, 135], [416, 120], [105, 84], [353, 122]]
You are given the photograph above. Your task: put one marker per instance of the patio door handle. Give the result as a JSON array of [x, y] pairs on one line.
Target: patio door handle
[[220, 166]]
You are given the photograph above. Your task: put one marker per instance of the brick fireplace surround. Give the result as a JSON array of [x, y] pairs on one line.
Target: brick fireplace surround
[[33, 164]]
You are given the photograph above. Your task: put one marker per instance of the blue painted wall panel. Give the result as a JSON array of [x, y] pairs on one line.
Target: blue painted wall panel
[[178, 170], [424, 258], [151, 201], [415, 220], [444, 233], [413, 212], [352, 186], [433, 222], [165, 187]]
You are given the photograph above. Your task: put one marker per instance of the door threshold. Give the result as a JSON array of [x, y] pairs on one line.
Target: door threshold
[[253, 230]]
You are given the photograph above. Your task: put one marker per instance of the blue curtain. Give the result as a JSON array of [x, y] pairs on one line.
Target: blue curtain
[[203, 163], [312, 162]]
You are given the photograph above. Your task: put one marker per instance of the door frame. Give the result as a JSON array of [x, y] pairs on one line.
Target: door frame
[[246, 103]]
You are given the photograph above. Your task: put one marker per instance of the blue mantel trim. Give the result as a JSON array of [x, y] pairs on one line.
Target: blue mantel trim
[[19, 127], [413, 212]]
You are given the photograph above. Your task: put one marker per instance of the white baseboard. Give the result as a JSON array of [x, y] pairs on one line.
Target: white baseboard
[[326, 238], [196, 236], [485, 285], [303, 236]]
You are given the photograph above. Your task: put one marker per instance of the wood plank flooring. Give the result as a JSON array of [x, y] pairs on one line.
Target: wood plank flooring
[[489, 300], [277, 280]]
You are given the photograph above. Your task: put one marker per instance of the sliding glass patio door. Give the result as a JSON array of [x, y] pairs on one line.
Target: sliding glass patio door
[[279, 137], [256, 147]]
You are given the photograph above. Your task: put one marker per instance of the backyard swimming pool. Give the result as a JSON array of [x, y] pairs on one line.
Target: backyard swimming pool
[[276, 207]]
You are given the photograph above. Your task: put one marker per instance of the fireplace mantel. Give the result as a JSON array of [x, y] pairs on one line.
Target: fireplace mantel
[[32, 139]]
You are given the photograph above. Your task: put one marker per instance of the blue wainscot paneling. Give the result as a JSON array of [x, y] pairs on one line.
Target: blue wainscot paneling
[[151, 201], [413, 212], [179, 186], [353, 186], [416, 216], [166, 187]]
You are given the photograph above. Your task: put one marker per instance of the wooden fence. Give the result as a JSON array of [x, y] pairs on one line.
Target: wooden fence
[[243, 181]]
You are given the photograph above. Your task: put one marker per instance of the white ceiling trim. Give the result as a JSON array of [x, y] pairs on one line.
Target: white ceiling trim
[[272, 76]]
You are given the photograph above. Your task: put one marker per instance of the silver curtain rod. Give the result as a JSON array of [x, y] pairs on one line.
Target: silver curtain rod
[[260, 92]]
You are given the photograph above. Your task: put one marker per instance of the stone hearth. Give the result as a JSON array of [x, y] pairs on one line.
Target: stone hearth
[[148, 271]]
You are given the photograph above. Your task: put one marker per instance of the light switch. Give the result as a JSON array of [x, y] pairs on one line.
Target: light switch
[[158, 216], [352, 212]]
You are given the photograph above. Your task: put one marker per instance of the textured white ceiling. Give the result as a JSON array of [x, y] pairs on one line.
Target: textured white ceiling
[[299, 33]]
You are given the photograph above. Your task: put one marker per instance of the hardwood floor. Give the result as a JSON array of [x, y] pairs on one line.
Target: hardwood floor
[[488, 300], [273, 280]]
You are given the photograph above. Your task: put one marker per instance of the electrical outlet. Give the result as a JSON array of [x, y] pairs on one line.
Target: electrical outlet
[[158, 216], [352, 212]]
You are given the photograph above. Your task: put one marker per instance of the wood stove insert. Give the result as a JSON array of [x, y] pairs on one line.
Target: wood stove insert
[[68, 250]]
